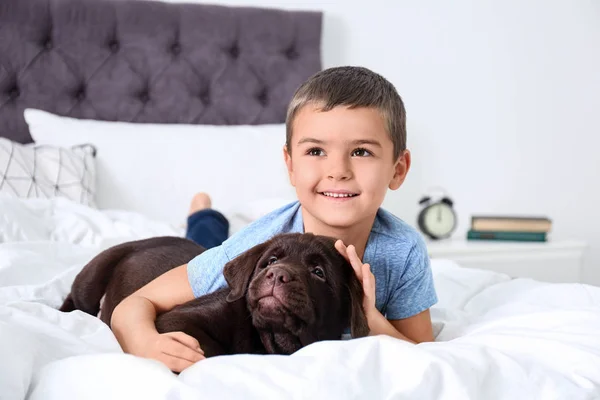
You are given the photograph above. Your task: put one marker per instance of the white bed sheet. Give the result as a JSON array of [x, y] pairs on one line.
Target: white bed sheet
[[497, 338]]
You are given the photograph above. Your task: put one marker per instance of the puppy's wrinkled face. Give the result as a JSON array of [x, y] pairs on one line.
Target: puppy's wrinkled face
[[300, 281], [299, 285]]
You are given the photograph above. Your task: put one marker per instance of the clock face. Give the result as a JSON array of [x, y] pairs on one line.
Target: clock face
[[439, 220]]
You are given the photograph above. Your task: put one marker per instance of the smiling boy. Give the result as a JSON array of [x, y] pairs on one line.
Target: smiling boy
[[345, 147]]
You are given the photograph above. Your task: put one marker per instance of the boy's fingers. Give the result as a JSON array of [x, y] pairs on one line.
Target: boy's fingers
[[186, 340], [341, 248], [350, 255], [367, 279], [354, 260], [179, 350]]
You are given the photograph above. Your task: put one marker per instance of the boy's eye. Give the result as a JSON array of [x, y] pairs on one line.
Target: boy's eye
[[315, 151], [361, 153]]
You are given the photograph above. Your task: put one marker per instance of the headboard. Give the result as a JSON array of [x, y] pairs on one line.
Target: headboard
[[152, 62]]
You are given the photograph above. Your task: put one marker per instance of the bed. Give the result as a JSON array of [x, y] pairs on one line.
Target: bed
[[113, 113]]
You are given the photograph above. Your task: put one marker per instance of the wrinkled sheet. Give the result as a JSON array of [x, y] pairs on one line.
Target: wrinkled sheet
[[496, 337]]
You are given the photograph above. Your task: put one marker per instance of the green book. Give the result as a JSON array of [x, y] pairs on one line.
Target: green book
[[501, 235]]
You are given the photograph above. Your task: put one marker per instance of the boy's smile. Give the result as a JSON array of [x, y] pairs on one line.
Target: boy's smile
[[339, 194], [341, 164]]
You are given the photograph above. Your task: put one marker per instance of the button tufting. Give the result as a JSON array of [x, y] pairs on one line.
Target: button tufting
[[14, 92], [176, 49], [113, 45], [144, 97], [262, 97], [80, 94], [234, 51], [205, 98], [48, 44], [291, 53]]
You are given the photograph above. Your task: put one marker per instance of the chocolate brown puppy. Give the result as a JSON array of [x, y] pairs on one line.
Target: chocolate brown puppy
[[282, 295]]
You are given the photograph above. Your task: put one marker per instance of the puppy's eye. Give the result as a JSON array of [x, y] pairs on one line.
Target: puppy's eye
[[272, 260], [318, 271]]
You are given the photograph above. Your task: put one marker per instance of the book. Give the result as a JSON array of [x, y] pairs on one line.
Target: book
[[511, 223], [507, 235]]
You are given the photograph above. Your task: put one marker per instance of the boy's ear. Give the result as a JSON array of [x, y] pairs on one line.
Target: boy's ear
[[288, 163], [400, 170]]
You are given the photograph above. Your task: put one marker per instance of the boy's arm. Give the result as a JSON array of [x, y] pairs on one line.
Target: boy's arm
[[133, 320], [414, 328]]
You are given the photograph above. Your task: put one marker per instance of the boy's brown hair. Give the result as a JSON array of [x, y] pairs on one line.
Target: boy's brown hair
[[352, 87]]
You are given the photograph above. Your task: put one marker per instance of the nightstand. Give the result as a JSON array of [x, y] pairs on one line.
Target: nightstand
[[552, 261]]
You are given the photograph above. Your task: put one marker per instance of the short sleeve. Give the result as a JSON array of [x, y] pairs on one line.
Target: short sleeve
[[205, 271], [414, 292]]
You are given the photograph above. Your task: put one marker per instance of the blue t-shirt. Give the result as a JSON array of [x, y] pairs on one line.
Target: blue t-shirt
[[395, 251]]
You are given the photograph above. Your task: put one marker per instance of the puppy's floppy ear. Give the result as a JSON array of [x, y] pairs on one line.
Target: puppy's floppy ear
[[238, 271], [359, 326]]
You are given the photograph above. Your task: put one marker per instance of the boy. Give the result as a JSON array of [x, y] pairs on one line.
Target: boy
[[345, 146]]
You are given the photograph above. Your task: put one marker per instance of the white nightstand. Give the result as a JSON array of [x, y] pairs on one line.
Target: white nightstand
[[552, 261]]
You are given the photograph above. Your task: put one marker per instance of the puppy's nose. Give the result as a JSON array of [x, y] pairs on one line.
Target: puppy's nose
[[279, 276]]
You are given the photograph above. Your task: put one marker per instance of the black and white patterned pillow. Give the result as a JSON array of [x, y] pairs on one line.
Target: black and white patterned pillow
[[43, 171]]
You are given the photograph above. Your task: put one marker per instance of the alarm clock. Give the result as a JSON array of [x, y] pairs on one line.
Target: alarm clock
[[437, 220]]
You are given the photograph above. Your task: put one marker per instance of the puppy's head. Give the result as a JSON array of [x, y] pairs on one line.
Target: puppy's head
[[299, 284]]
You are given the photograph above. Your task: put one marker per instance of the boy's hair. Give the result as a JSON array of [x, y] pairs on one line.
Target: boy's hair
[[352, 87]]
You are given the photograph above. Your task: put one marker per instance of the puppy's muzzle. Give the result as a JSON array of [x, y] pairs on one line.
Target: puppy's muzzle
[[278, 276]]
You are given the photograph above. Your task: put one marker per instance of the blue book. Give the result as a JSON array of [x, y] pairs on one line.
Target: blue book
[[506, 235]]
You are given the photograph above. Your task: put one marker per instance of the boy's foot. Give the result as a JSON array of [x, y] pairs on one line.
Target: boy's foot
[[200, 201]]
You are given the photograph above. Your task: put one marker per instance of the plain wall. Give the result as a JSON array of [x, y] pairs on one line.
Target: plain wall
[[503, 101]]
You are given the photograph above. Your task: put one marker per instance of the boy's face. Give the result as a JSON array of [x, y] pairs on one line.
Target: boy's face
[[342, 164]]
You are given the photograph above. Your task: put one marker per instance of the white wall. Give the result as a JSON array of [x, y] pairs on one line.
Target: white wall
[[503, 101]]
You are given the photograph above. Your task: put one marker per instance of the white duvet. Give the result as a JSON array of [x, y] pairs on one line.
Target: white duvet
[[497, 338]]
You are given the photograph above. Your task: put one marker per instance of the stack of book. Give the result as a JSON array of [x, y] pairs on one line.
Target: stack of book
[[513, 228]]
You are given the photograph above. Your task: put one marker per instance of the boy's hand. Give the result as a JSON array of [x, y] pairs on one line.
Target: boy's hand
[[364, 274], [176, 350]]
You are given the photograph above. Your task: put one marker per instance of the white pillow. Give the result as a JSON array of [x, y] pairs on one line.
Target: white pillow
[[155, 169], [38, 171]]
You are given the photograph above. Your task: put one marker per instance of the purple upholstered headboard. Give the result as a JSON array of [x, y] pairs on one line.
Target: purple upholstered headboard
[[149, 61]]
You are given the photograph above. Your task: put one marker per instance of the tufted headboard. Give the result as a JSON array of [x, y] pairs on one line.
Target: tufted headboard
[[153, 62]]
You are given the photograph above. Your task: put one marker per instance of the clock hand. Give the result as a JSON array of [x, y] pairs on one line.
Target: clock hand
[[439, 214]]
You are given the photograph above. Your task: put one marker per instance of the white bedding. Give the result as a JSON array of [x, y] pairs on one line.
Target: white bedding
[[496, 338], [155, 169]]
